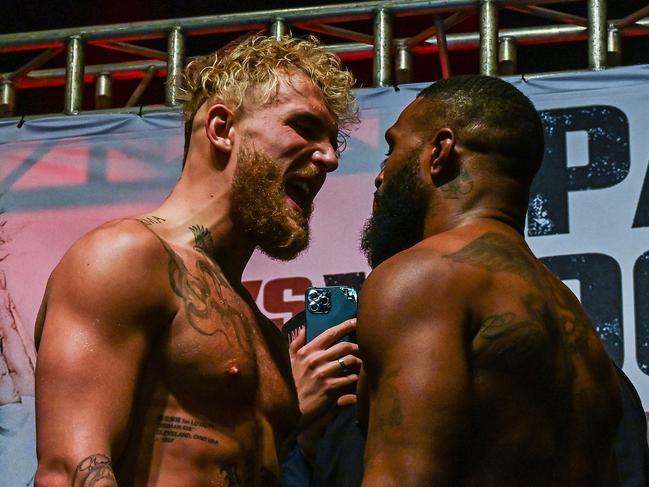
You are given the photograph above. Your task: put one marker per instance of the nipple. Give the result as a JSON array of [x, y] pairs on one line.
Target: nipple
[[231, 368]]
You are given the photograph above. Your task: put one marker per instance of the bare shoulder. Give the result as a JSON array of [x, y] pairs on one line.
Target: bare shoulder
[[419, 286], [117, 266]]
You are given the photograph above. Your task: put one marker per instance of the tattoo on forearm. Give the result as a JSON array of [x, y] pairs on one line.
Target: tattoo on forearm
[[151, 220], [495, 253], [461, 185], [171, 428], [94, 471], [203, 241]]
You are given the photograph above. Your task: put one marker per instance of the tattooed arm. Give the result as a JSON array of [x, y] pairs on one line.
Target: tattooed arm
[[411, 337], [94, 331]]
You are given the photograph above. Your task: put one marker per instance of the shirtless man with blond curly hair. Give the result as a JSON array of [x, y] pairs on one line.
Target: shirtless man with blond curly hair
[[155, 365]]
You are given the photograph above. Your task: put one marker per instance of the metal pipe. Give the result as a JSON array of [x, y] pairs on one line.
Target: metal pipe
[[175, 63], [35, 63], [73, 76], [146, 52], [456, 42], [614, 46], [488, 38], [279, 28], [449, 22], [546, 13], [507, 56], [7, 98], [442, 47], [632, 18], [240, 21], [382, 48], [403, 65], [597, 34], [346, 34], [103, 91], [134, 99]]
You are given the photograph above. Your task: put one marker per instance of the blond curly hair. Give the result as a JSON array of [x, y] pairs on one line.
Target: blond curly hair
[[260, 61]]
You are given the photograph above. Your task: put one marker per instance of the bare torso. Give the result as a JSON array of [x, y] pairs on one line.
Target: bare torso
[[214, 400], [534, 397]]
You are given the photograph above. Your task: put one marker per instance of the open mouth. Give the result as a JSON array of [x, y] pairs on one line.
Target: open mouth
[[302, 191]]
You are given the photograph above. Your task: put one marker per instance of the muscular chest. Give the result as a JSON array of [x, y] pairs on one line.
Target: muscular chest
[[216, 353]]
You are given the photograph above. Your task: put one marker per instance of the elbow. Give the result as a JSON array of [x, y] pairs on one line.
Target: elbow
[[52, 474]]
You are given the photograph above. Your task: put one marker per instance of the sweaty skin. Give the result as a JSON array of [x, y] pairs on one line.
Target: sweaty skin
[[155, 366], [204, 378], [481, 368]]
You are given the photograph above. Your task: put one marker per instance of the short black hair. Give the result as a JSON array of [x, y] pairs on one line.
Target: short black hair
[[490, 116]]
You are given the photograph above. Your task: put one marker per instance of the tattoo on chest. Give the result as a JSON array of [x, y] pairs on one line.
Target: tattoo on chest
[[94, 471], [495, 253], [203, 240], [461, 185], [172, 428], [206, 296], [151, 220]]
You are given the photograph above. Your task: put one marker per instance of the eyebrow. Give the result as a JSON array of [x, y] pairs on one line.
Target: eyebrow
[[319, 124]]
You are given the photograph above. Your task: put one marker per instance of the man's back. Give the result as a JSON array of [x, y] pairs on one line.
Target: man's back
[[205, 384], [501, 357]]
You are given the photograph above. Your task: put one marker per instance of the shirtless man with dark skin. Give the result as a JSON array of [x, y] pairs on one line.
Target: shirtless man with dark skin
[[481, 368], [155, 366]]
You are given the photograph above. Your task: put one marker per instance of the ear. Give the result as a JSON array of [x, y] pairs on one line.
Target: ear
[[219, 127], [442, 147]]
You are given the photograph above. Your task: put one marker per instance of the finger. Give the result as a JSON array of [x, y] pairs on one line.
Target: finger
[[297, 342], [340, 350], [345, 365], [346, 400], [335, 333]]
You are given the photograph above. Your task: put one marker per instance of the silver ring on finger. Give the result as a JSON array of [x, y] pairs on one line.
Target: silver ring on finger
[[343, 366]]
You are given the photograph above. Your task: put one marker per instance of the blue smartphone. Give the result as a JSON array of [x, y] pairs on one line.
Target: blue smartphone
[[329, 306]]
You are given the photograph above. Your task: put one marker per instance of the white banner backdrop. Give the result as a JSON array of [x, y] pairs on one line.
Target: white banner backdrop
[[589, 212]]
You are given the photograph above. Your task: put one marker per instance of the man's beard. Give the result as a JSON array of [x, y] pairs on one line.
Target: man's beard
[[397, 221], [259, 207]]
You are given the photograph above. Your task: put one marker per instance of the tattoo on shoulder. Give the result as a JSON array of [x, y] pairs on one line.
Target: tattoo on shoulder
[[203, 240], [94, 471], [495, 253], [151, 220], [461, 185]]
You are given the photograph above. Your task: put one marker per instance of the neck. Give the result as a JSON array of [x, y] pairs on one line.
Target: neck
[[197, 214]]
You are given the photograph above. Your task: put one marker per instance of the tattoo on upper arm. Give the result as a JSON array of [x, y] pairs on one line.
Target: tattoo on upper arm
[[151, 220], [94, 471], [387, 417], [495, 253], [203, 241], [461, 185]]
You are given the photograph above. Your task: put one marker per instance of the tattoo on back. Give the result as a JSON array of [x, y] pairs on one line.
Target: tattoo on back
[[151, 220], [203, 240], [495, 253], [94, 471]]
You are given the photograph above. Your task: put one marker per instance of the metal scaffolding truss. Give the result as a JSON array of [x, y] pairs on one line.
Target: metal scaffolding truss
[[392, 57]]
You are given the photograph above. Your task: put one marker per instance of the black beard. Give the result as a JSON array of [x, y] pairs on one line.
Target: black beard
[[259, 208], [397, 222]]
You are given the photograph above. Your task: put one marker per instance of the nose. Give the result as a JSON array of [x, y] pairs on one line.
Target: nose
[[325, 155], [378, 180]]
